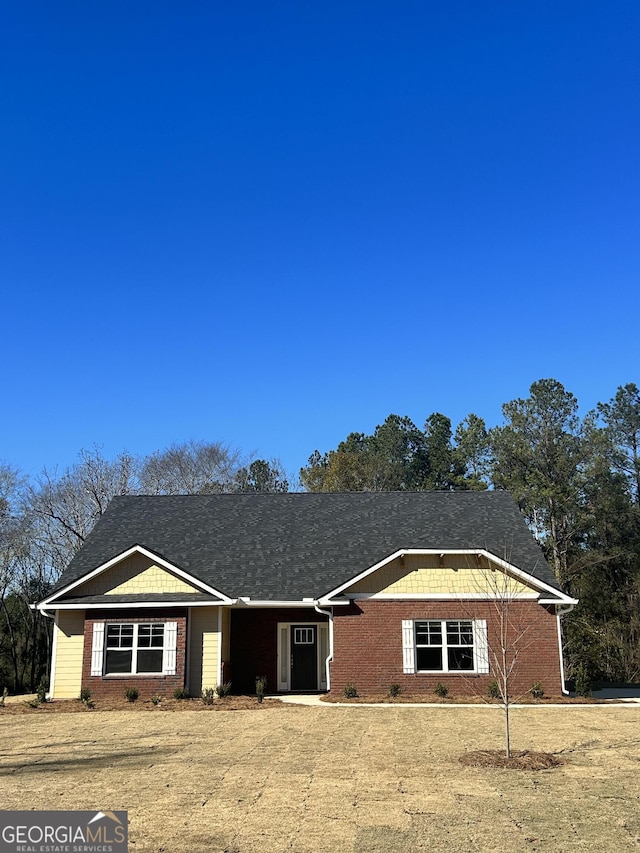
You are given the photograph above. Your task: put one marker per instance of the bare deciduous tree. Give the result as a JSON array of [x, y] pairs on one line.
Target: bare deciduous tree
[[190, 468]]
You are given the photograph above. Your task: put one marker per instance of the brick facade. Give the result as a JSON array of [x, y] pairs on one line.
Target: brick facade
[[113, 686], [368, 646]]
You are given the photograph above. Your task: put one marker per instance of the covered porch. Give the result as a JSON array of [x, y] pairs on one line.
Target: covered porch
[[288, 645]]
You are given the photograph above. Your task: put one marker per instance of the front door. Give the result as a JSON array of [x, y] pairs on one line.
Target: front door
[[304, 657]]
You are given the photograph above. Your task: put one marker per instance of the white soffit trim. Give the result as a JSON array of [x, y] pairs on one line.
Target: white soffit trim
[[308, 603], [133, 605], [136, 549], [559, 597], [440, 596]]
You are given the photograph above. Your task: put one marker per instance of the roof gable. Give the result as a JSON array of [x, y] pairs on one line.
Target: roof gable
[[434, 574], [135, 573]]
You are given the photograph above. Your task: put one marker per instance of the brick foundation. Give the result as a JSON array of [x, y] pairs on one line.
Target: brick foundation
[[368, 646], [113, 686]]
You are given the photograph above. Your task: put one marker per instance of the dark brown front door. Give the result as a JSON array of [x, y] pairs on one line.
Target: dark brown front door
[[304, 657]]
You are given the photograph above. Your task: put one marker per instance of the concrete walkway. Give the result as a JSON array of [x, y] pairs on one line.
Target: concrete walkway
[[316, 701]]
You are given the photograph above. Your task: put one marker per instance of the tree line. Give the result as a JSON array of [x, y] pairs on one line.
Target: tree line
[[576, 479], [44, 522]]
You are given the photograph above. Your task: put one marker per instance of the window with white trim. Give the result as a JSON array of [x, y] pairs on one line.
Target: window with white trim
[[134, 648], [445, 645]]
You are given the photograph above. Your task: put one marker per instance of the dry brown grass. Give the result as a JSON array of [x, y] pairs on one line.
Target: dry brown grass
[[333, 779]]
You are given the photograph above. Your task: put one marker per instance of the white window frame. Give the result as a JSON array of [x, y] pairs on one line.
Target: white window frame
[[479, 646], [135, 648]]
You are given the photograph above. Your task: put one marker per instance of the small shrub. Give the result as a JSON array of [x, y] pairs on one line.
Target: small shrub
[[181, 693], [350, 691], [41, 693], [208, 696], [536, 690], [85, 697], [441, 690], [261, 685], [3, 698], [156, 700], [493, 690], [33, 703], [222, 690], [583, 682], [131, 694], [394, 690]]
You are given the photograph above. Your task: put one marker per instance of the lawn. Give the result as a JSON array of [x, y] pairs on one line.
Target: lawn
[[333, 779]]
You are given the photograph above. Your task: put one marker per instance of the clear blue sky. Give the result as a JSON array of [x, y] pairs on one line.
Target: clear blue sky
[[274, 223]]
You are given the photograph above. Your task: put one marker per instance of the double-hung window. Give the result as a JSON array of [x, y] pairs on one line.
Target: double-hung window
[[134, 648], [445, 645]]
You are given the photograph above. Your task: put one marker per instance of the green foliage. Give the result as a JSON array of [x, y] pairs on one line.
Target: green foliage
[[536, 690], [398, 456], [394, 690], [538, 456], [262, 476], [261, 686], [85, 697], [583, 681], [441, 690], [223, 690], [131, 694], [156, 700], [41, 694], [181, 693], [350, 691], [493, 690], [208, 696]]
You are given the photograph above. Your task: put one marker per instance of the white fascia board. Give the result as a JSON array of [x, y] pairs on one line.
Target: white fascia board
[[136, 549], [442, 596], [329, 595], [560, 597], [134, 605], [254, 602]]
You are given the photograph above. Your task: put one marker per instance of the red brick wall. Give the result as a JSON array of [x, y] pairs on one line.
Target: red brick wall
[[113, 686], [254, 644], [368, 646]]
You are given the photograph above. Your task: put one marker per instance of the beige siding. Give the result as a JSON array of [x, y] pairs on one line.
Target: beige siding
[[203, 649], [69, 645], [452, 574], [136, 574]]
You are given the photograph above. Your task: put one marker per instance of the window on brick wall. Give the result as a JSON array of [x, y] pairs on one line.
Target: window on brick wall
[[445, 645], [134, 648]]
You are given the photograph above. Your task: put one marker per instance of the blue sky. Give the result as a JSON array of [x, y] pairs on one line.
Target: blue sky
[[272, 224]]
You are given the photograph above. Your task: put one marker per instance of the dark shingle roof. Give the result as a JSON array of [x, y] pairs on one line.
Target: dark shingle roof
[[294, 546]]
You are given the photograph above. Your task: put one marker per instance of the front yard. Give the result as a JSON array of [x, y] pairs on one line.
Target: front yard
[[333, 779]]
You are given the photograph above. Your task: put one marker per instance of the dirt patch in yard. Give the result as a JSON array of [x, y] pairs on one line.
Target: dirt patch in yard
[[292, 779], [75, 706], [432, 699], [524, 760]]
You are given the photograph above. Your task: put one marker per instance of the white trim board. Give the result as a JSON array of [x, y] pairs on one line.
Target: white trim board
[[118, 605], [145, 552]]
